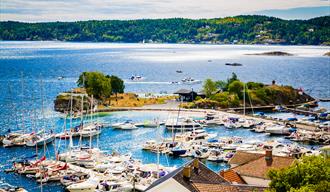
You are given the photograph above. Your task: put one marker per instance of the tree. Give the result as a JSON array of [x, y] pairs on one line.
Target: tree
[[236, 87], [232, 79], [221, 85], [209, 87], [311, 173], [117, 84], [96, 84]]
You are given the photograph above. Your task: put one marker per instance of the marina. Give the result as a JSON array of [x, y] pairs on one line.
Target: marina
[[121, 148]]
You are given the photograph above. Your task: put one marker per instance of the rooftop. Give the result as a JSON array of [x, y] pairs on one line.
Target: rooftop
[[242, 157], [232, 176], [260, 167], [184, 91], [203, 180]]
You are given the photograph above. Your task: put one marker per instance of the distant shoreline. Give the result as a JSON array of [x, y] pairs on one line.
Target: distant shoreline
[[140, 43]]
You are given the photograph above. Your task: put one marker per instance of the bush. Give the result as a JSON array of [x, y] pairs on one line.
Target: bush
[[311, 173]]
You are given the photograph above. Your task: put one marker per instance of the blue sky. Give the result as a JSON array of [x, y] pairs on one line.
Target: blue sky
[[73, 10]]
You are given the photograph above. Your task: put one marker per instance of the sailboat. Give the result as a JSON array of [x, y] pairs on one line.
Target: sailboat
[[41, 138]]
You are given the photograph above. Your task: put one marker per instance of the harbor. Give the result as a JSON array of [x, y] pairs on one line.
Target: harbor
[[121, 145]]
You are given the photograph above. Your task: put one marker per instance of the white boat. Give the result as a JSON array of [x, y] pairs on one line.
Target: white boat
[[182, 124], [90, 131], [215, 156], [86, 186], [40, 140], [277, 130], [190, 81], [136, 78], [149, 145], [119, 124], [128, 126]]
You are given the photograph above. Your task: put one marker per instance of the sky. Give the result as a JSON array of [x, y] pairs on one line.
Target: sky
[[77, 10]]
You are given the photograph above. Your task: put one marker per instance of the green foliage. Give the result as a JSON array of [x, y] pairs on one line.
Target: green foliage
[[254, 85], [222, 85], [117, 84], [236, 87], [239, 29], [311, 173], [209, 87], [99, 85]]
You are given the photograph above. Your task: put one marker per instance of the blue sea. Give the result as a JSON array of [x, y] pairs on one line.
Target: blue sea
[[29, 83]]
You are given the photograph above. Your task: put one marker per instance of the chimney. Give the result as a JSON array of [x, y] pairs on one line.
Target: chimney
[[186, 172], [196, 165], [269, 157]]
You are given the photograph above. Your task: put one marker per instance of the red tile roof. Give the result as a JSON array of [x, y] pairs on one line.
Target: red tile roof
[[232, 176], [259, 167]]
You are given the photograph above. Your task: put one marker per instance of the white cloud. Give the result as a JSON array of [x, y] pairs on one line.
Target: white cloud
[[72, 10]]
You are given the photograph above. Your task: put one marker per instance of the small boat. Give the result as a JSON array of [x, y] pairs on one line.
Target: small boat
[[86, 186], [128, 126], [178, 71], [60, 77], [177, 151], [118, 125], [182, 124], [278, 130], [215, 156], [136, 78], [234, 64], [190, 81]]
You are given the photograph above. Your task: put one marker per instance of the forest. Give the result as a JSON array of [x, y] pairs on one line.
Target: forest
[[251, 29]]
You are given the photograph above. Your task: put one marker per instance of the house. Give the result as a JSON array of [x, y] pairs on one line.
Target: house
[[252, 169], [186, 95], [194, 176]]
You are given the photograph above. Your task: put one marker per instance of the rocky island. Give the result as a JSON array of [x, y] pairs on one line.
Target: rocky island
[[272, 53]]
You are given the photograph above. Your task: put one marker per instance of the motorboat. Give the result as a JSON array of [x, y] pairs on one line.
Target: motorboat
[[215, 156], [86, 186], [136, 78], [119, 124], [149, 145], [278, 130], [190, 81], [128, 126], [90, 131], [182, 124]]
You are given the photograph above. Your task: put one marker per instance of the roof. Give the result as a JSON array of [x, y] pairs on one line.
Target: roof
[[203, 180], [232, 176], [259, 168], [204, 175], [184, 91], [242, 157], [223, 187]]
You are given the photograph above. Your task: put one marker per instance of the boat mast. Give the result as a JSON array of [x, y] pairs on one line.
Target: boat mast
[[70, 142], [158, 152], [244, 99], [81, 119], [90, 132], [43, 116], [22, 99]]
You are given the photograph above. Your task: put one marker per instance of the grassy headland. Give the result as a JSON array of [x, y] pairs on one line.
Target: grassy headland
[[231, 93]]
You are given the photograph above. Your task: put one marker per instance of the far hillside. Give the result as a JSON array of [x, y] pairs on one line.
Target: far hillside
[[230, 30]]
